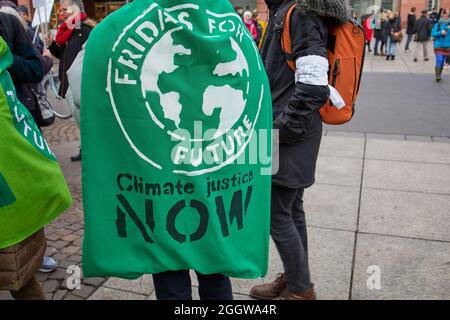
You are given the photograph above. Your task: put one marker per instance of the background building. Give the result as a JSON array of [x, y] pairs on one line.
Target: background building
[[359, 6], [98, 9]]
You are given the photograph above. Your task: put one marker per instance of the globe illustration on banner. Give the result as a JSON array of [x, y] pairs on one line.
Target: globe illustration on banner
[[223, 96]]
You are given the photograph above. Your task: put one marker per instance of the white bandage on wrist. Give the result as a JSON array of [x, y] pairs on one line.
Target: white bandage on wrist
[[313, 70]]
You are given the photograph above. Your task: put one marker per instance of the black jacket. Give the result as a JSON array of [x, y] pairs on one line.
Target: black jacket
[[295, 105], [27, 67], [69, 52], [384, 30], [410, 23], [423, 28]]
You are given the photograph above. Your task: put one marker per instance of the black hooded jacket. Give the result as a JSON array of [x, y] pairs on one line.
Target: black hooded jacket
[[295, 105]]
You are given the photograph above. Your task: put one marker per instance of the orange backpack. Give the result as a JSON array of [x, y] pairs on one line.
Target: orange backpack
[[346, 51]]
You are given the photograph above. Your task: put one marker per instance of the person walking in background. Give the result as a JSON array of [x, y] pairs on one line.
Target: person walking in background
[[394, 35], [250, 23], [411, 21], [441, 35], [422, 31], [71, 36]]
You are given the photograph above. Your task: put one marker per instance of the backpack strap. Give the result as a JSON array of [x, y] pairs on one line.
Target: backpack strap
[[286, 44]]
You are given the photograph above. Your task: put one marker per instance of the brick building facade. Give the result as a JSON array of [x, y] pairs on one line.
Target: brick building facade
[[360, 6]]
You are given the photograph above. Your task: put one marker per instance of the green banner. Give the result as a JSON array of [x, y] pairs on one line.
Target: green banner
[[175, 121], [6, 195], [33, 190]]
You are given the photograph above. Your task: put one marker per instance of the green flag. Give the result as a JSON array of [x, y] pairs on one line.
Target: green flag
[[175, 123], [33, 190]]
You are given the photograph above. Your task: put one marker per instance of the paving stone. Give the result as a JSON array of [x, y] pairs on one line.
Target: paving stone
[[143, 285], [370, 136], [64, 232], [59, 295], [330, 206], [335, 146], [60, 244], [332, 133], [84, 292], [72, 297], [42, 276], [339, 171], [94, 281], [70, 250], [5, 295], [58, 274], [441, 139], [408, 151], [52, 237], [50, 286], [104, 293], [408, 269], [418, 138], [75, 259], [70, 237], [49, 251], [407, 176], [405, 214]]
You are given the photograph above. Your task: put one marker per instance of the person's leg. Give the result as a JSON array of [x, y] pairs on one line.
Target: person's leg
[[288, 240], [375, 49], [416, 50], [393, 50], [382, 48], [388, 48], [30, 291], [440, 61], [173, 285], [298, 215], [425, 50], [214, 287], [408, 41]]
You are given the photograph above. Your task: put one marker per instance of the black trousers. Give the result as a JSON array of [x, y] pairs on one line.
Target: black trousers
[[288, 231], [176, 285]]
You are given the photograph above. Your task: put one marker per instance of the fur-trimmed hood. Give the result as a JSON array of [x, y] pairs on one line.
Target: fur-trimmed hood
[[334, 9]]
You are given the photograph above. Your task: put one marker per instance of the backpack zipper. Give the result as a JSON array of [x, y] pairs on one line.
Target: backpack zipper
[[335, 72]]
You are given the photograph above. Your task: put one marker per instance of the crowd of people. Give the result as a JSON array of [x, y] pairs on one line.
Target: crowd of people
[[386, 29], [255, 26]]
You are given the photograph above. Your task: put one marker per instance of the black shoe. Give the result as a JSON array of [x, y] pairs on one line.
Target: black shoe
[[388, 57], [76, 158], [415, 60], [426, 59], [392, 58]]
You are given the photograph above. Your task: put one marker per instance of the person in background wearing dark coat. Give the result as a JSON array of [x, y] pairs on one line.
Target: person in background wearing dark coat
[[71, 36], [422, 31], [434, 16], [27, 65], [379, 33], [411, 21], [296, 98]]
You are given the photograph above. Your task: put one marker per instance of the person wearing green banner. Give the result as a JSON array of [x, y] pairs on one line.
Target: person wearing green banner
[[173, 179], [33, 190]]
